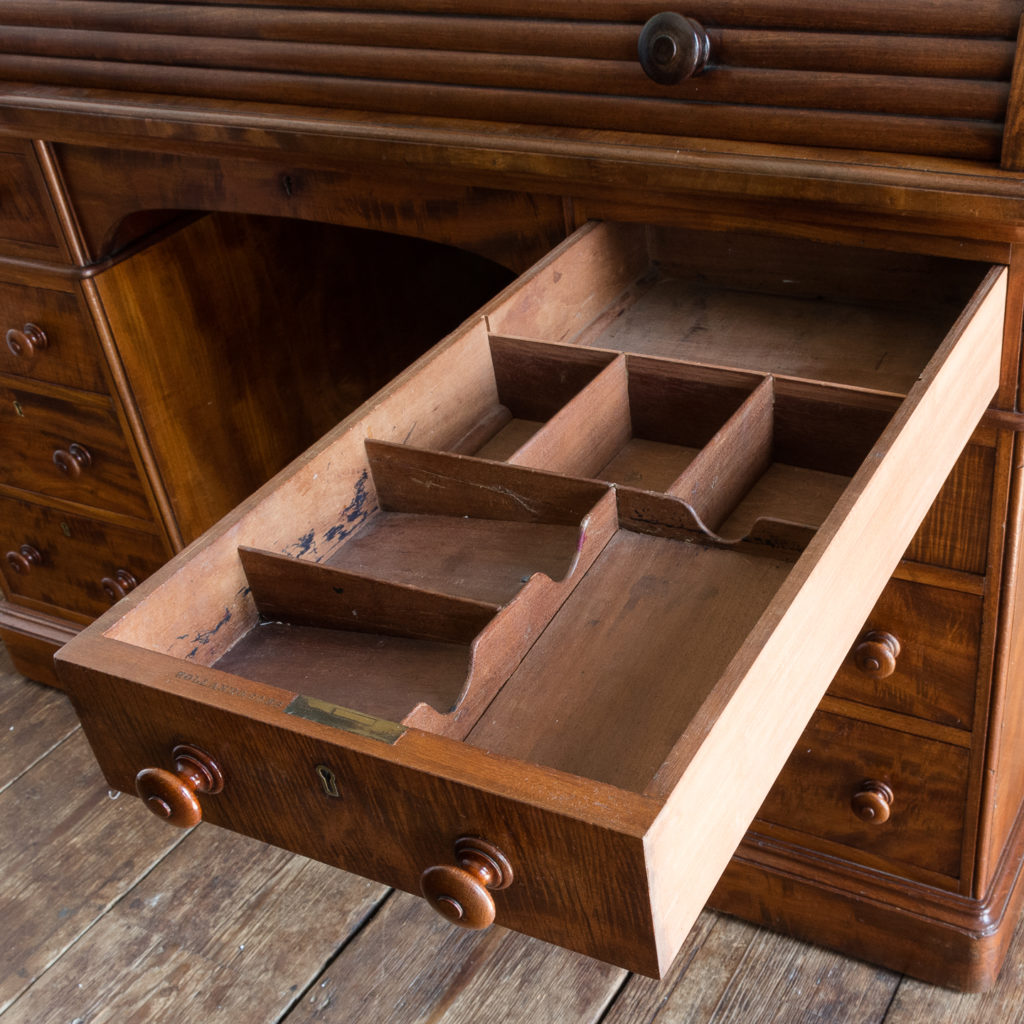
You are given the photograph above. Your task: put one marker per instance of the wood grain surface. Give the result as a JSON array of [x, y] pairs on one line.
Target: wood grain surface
[[149, 926]]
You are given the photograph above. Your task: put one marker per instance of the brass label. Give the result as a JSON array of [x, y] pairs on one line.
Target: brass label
[[346, 719]]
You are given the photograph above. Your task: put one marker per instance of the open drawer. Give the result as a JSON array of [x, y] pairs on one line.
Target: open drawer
[[537, 627]]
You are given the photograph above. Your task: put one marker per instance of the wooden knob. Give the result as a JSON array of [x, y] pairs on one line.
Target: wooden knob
[[462, 893], [116, 586], [875, 654], [25, 343], [72, 460], [673, 48], [873, 802], [171, 795], [22, 560]]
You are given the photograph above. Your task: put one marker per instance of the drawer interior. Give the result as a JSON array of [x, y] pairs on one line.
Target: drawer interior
[[787, 306], [639, 524], [585, 504], [560, 579]]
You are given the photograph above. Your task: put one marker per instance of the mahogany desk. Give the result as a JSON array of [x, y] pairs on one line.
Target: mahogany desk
[[223, 227]]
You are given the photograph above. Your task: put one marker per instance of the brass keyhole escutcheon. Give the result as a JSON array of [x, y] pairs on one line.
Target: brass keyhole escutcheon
[[328, 780]]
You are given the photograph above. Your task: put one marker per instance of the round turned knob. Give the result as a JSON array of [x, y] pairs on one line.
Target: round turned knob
[[875, 654], [73, 460], [462, 893], [116, 586], [873, 802], [673, 48], [22, 560], [171, 795], [25, 343]]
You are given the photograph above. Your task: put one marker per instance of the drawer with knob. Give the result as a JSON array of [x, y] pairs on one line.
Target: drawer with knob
[[67, 446], [47, 336], [53, 560], [955, 533], [917, 654], [881, 793], [25, 222], [533, 631]]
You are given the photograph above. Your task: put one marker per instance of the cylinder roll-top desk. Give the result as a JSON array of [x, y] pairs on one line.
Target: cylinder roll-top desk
[[561, 458]]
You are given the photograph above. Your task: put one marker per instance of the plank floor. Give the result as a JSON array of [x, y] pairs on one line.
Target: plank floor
[[108, 916]]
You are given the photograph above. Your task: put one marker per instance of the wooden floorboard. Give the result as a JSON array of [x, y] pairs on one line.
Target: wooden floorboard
[[107, 915]]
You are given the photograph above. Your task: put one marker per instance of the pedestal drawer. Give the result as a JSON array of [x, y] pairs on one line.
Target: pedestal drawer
[[917, 654], [877, 791], [47, 336], [71, 563], [68, 446], [955, 533], [24, 223]]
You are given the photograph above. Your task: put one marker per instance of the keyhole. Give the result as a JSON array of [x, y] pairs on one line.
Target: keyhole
[[327, 780]]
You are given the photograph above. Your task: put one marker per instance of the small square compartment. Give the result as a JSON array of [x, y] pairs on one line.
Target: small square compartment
[[513, 392]]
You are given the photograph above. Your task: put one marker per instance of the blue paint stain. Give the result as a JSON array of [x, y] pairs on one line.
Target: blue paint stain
[[355, 515], [206, 635], [305, 544]]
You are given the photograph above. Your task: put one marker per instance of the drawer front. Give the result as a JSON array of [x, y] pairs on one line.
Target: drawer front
[[955, 533], [71, 562], [24, 222], [917, 654], [47, 337], [832, 783], [67, 449], [576, 855]]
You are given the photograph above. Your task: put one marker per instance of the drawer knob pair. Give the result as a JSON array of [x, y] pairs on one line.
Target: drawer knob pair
[[22, 560], [171, 795], [27, 342], [461, 892], [72, 460], [673, 48], [873, 802], [875, 654]]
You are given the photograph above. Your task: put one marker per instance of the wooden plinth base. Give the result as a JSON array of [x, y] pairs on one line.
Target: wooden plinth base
[[31, 638], [941, 938]]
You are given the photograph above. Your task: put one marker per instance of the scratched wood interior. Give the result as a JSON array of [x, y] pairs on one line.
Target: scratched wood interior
[[108, 915]]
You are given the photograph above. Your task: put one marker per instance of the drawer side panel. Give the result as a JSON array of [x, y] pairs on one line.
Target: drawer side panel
[[779, 678]]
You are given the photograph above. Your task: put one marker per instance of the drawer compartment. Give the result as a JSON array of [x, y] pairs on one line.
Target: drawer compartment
[[24, 223], [588, 650], [887, 794], [68, 447], [70, 562], [955, 533], [47, 337], [931, 670]]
